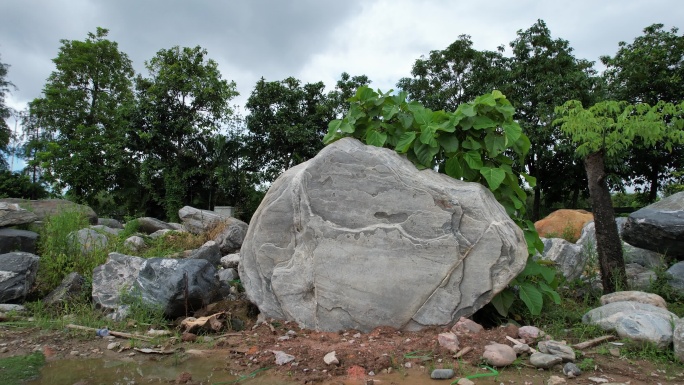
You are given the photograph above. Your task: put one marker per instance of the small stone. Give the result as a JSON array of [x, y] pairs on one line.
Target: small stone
[[521, 348], [188, 337], [615, 352], [113, 345], [529, 333], [407, 365], [544, 360], [555, 380], [184, 378], [499, 355], [282, 358], [442, 374], [465, 381], [557, 349], [449, 341], [331, 359], [74, 352], [465, 326], [571, 370]]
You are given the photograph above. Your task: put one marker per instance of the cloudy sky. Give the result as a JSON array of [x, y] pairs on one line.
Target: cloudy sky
[[312, 40]]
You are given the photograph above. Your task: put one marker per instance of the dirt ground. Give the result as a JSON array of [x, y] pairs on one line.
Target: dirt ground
[[383, 356]]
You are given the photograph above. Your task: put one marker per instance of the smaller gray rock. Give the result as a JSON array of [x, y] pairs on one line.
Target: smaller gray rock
[[110, 222], [70, 288], [230, 261], [227, 275], [160, 233], [106, 230], [442, 374], [544, 360], [571, 370], [636, 296], [148, 225], [8, 307], [529, 333], [117, 275], [11, 215], [499, 355], [639, 277], [134, 243], [646, 327], [17, 240], [676, 274], [522, 348], [209, 251], [567, 257], [88, 240], [17, 274], [556, 348], [678, 339]]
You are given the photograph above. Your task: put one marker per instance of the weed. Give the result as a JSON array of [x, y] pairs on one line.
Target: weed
[[142, 311], [17, 369]]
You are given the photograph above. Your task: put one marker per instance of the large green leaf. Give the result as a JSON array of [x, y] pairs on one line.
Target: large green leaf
[[424, 153], [532, 297], [449, 143], [473, 159], [423, 116], [453, 167], [503, 301], [405, 141], [405, 119], [549, 292], [427, 135], [481, 122], [376, 138], [513, 132], [493, 176], [389, 111], [495, 144]]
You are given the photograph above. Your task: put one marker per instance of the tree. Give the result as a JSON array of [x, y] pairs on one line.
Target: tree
[[286, 124], [181, 104], [345, 88], [455, 75], [648, 70], [5, 111], [609, 130], [82, 117], [543, 74]]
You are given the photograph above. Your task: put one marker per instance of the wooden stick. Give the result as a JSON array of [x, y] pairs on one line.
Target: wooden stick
[[463, 352], [593, 342], [533, 350], [111, 332]]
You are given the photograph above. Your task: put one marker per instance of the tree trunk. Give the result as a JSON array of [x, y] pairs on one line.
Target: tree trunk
[[653, 190], [608, 244]]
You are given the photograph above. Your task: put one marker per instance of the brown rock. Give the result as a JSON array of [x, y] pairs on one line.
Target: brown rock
[[564, 223], [188, 337]]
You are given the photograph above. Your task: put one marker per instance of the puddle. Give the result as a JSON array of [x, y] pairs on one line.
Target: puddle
[[90, 371]]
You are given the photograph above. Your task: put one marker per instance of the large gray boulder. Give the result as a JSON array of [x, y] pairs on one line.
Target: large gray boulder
[[658, 227], [113, 278], [44, 208], [88, 241], [11, 215], [71, 287], [18, 240], [179, 286], [631, 254], [17, 274], [357, 238]]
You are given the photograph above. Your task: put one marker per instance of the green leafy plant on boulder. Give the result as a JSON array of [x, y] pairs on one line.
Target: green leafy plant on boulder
[[479, 142]]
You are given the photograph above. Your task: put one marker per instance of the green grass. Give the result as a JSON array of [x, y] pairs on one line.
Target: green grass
[[17, 369]]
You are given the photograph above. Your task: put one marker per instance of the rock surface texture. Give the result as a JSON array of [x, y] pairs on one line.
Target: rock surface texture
[[658, 227], [17, 274], [358, 238]]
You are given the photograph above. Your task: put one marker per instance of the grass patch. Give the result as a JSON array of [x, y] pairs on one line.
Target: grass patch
[[15, 370]]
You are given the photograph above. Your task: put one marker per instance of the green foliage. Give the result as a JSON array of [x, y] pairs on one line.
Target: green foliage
[[479, 142], [15, 185], [79, 122], [535, 284], [179, 107], [5, 111], [17, 370], [59, 254], [648, 70], [143, 312]]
